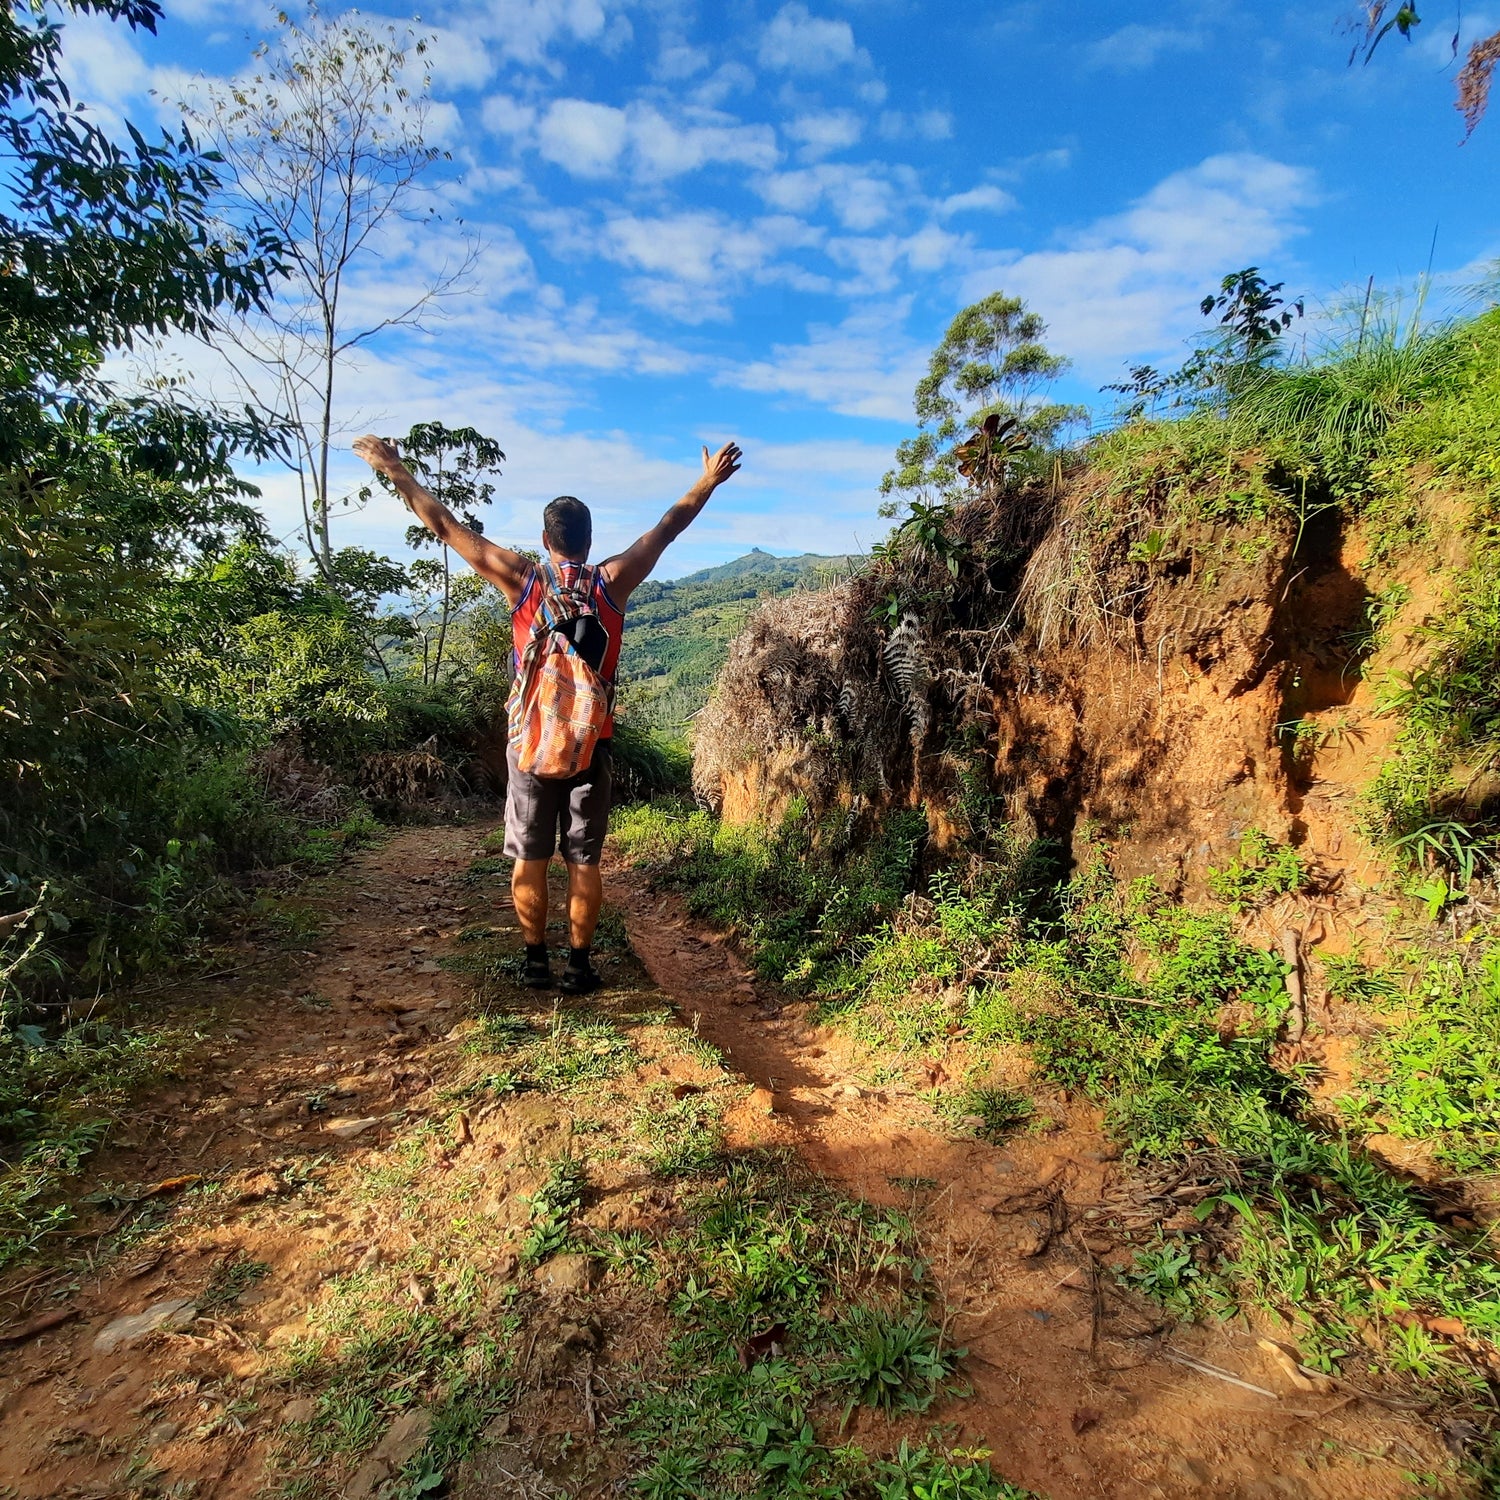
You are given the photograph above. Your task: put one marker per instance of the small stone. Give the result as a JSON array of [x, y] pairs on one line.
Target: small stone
[[406, 1436], [160, 1317], [1190, 1469], [237, 1033], [303, 1409], [763, 1101], [568, 1273], [161, 1434], [346, 1130], [429, 966]]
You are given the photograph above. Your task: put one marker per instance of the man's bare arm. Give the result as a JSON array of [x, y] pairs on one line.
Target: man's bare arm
[[507, 570], [626, 571]]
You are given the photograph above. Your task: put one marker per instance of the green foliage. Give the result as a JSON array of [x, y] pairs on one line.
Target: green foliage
[[894, 1363], [757, 1367], [680, 629], [58, 1095], [1262, 871], [647, 763], [572, 1050], [1433, 1074], [990, 361], [799, 895], [553, 1205], [956, 1474], [681, 1137]]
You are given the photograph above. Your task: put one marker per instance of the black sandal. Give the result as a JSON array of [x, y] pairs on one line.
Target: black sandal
[[538, 973], [582, 981]]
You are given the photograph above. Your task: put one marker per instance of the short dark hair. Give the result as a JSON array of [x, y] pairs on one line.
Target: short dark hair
[[568, 526]]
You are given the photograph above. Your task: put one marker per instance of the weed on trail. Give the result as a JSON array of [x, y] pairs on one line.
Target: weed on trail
[[758, 1381]]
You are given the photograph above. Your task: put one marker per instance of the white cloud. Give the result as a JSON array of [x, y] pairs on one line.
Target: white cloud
[[507, 116], [664, 148], [1136, 47], [1127, 286], [458, 61], [987, 198], [798, 42], [725, 81], [582, 137], [877, 261], [680, 61], [861, 198], [864, 367], [101, 67], [524, 30], [924, 125], [825, 131], [588, 139]]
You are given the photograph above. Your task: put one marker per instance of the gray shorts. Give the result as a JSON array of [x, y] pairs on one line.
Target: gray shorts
[[542, 811]]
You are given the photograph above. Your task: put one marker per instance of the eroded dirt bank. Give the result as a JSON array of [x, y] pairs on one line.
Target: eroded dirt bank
[[339, 1154]]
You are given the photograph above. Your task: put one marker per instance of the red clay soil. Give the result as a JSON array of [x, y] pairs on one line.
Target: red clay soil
[[1078, 1391]]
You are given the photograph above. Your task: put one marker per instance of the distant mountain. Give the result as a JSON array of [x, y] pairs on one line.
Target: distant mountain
[[677, 632]]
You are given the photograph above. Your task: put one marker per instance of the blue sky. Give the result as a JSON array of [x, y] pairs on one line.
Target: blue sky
[[754, 219]]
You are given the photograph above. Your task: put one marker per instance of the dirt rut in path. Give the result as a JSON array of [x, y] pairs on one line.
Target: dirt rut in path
[[1079, 1390]]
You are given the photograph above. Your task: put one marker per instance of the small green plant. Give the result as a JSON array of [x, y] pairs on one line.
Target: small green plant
[[892, 1361], [553, 1205], [1262, 871], [952, 1474], [993, 1112], [1166, 1272]]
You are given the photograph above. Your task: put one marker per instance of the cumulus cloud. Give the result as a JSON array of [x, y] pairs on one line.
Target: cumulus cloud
[[588, 139], [584, 138], [860, 197], [1137, 47], [825, 131], [987, 198], [865, 366], [1127, 286], [796, 41], [692, 261]]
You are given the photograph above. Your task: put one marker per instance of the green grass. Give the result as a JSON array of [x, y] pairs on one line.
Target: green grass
[[59, 1096], [1168, 1020], [758, 1374], [799, 896], [553, 1206], [563, 1051]]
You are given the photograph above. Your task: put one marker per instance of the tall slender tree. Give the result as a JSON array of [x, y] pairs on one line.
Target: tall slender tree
[[328, 140]]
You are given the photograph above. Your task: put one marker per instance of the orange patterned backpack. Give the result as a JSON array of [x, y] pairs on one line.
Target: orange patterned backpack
[[560, 702]]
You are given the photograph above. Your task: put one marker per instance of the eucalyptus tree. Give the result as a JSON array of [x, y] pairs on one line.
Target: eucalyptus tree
[[991, 362], [328, 139]]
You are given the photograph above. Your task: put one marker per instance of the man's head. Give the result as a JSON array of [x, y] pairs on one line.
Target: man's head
[[567, 528]]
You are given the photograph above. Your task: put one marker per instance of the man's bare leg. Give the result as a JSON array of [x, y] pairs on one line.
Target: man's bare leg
[[585, 896], [528, 889]]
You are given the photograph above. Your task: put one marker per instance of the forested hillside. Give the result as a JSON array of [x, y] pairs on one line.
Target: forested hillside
[[679, 630]]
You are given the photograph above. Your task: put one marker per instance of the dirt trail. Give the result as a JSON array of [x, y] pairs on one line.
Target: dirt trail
[[317, 1060]]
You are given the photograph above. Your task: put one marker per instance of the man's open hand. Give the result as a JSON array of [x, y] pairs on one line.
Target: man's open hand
[[379, 454], [718, 468]]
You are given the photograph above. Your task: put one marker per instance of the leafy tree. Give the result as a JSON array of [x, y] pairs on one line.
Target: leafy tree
[[326, 140], [991, 361], [455, 465], [103, 498]]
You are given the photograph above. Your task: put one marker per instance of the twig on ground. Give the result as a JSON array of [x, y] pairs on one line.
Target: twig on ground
[[1204, 1368], [1291, 951]]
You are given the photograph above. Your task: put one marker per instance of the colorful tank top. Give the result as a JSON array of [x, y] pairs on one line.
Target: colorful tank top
[[611, 617]]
